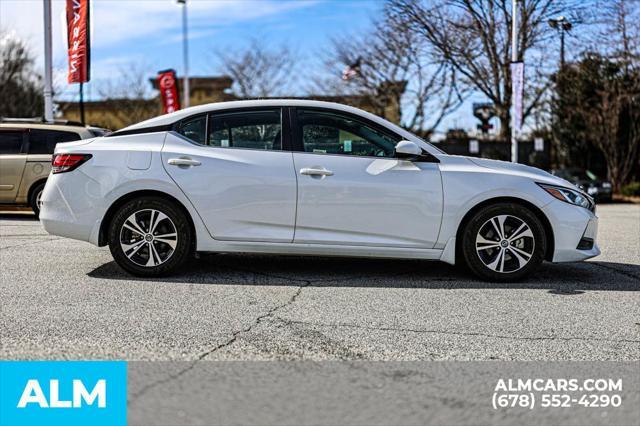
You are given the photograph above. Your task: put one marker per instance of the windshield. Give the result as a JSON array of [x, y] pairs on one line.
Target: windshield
[[431, 144]]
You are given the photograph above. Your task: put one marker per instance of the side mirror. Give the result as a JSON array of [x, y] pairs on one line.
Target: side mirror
[[408, 150]]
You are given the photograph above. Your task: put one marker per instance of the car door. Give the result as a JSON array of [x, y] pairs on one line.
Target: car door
[[353, 191], [13, 157], [233, 169]]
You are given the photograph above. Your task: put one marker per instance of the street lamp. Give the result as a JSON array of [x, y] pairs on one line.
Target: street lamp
[[563, 25], [514, 91], [48, 79], [185, 53]]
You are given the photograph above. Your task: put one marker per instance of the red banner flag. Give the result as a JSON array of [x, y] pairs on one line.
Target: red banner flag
[[78, 40], [167, 84]]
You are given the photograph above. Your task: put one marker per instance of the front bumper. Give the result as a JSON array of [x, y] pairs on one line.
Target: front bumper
[[572, 227]]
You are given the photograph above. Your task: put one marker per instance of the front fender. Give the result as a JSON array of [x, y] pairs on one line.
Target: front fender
[[465, 190]]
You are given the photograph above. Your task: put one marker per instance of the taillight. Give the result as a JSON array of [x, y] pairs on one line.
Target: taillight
[[62, 163]]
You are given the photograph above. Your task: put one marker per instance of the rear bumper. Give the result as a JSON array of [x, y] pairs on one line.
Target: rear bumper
[[571, 226], [57, 215]]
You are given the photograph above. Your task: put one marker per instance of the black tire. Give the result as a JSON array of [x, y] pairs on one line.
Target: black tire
[[480, 255], [34, 196], [142, 208]]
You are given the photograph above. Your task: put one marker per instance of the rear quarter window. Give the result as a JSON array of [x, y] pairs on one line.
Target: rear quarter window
[[44, 141], [194, 129]]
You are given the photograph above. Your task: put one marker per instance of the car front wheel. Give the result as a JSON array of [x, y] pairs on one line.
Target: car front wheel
[[504, 242], [150, 237]]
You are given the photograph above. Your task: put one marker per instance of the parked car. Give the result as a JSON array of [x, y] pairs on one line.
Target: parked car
[[307, 178], [26, 147], [601, 190]]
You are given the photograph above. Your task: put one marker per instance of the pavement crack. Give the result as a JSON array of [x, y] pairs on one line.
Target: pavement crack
[[228, 342], [257, 321], [455, 333]]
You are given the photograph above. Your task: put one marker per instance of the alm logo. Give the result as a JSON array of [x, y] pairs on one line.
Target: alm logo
[[63, 393], [33, 394]]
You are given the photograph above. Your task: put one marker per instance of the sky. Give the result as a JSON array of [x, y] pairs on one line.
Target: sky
[[148, 33]]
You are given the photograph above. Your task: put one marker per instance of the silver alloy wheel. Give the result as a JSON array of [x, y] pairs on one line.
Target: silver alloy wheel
[[148, 237], [505, 243], [39, 199]]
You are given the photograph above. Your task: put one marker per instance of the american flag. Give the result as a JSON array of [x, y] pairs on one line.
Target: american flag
[[352, 70]]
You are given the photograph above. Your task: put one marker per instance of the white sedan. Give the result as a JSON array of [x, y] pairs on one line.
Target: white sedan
[[307, 178]]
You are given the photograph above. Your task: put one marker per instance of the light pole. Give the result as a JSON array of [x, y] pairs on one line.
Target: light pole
[[185, 53], [563, 25], [48, 83], [514, 59]]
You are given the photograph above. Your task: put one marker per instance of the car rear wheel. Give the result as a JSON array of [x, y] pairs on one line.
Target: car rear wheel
[[504, 242], [35, 199], [150, 237]]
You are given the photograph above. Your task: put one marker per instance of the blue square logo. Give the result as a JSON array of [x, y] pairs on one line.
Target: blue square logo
[[65, 393]]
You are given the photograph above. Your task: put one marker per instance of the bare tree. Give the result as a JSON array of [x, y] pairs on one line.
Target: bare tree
[[621, 30], [474, 37], [604, 110], [395, 68], [259, 71], [597, 102], [20, 84], [615, 126], [613, 117], [128, 97]]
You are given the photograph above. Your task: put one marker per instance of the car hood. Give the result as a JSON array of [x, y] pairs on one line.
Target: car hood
[[521, 170]]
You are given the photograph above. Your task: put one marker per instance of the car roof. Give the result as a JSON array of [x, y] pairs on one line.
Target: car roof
[[44, 126], [176, 116]]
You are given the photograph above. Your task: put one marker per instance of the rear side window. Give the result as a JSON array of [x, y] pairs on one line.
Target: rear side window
[[247, 129], [11, 142], [44, 141], [194, 129]]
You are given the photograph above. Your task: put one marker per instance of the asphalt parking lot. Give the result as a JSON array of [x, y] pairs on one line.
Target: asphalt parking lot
[[64, 299]]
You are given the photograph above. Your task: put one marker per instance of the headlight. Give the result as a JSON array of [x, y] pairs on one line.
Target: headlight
[[570, 196], [592, 190]]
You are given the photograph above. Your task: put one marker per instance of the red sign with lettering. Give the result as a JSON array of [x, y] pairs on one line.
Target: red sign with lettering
[[78, 40], [167, 84]]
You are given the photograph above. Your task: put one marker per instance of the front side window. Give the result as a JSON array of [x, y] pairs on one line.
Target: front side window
[[247, 129], [332, 133], [11, 142], [194, 128], [44, 141]]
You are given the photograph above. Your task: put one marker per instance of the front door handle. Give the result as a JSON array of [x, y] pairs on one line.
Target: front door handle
[[183, 162], [309, 171]]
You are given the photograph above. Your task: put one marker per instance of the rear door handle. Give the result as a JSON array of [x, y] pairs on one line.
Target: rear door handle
[[308, 171], [183, 162]]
